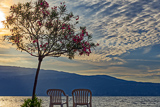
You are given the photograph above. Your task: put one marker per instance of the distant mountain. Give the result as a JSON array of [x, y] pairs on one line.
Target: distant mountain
[[17, 81]]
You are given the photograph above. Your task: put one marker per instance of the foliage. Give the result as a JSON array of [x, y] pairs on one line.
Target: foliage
[[32, 103], [41, 31]]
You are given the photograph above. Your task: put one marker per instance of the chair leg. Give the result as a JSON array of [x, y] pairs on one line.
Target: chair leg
[[74, 105], [90, 105], [50, 105]]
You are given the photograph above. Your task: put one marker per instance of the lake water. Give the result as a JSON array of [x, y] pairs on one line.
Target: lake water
[[16, 101]]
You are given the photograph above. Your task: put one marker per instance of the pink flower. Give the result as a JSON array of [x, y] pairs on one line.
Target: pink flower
[[69, 27], [35, 41], [46, 4], [43, 12], [39, 23], [84, 49], [63, 27], [82, 34], [87, 33], [77, 18], [74, 39], [55, 7], [87, 53], [97, 44], [71, 16], [81, 53], [41, 4], [47, 12]]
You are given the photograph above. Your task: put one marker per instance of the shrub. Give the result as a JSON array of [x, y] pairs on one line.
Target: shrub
[[32, 103]]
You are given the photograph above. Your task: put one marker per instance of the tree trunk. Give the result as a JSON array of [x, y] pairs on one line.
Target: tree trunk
[[36, 77]]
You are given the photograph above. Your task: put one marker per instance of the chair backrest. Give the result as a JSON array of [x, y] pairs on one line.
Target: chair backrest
[[55, 95], [82, 96]]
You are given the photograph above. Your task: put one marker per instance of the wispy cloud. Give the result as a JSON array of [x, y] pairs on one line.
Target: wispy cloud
[[147, 49], [120, 26], [117, 25]]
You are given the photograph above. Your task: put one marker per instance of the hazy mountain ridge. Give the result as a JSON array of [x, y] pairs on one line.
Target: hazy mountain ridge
[[17, 81]]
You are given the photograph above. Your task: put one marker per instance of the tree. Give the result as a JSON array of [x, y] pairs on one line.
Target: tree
[[42, 31]]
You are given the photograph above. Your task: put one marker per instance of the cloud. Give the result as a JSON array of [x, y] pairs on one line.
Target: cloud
[[93, 57], [157, 56], [5, 6], [154, 70], [4, 45], [9, 60], [10, 55], [125, 73], [4, 32], [113, 71], [147, 49], [99, 58], [59, 63], [120, 26]]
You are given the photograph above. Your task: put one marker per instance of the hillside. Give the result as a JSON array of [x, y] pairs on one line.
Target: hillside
[[17, 81]]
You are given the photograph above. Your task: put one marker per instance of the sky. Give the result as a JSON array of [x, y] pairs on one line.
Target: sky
[[127, 31]]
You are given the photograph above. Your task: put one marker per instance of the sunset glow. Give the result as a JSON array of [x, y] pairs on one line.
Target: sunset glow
[[2, 17]]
